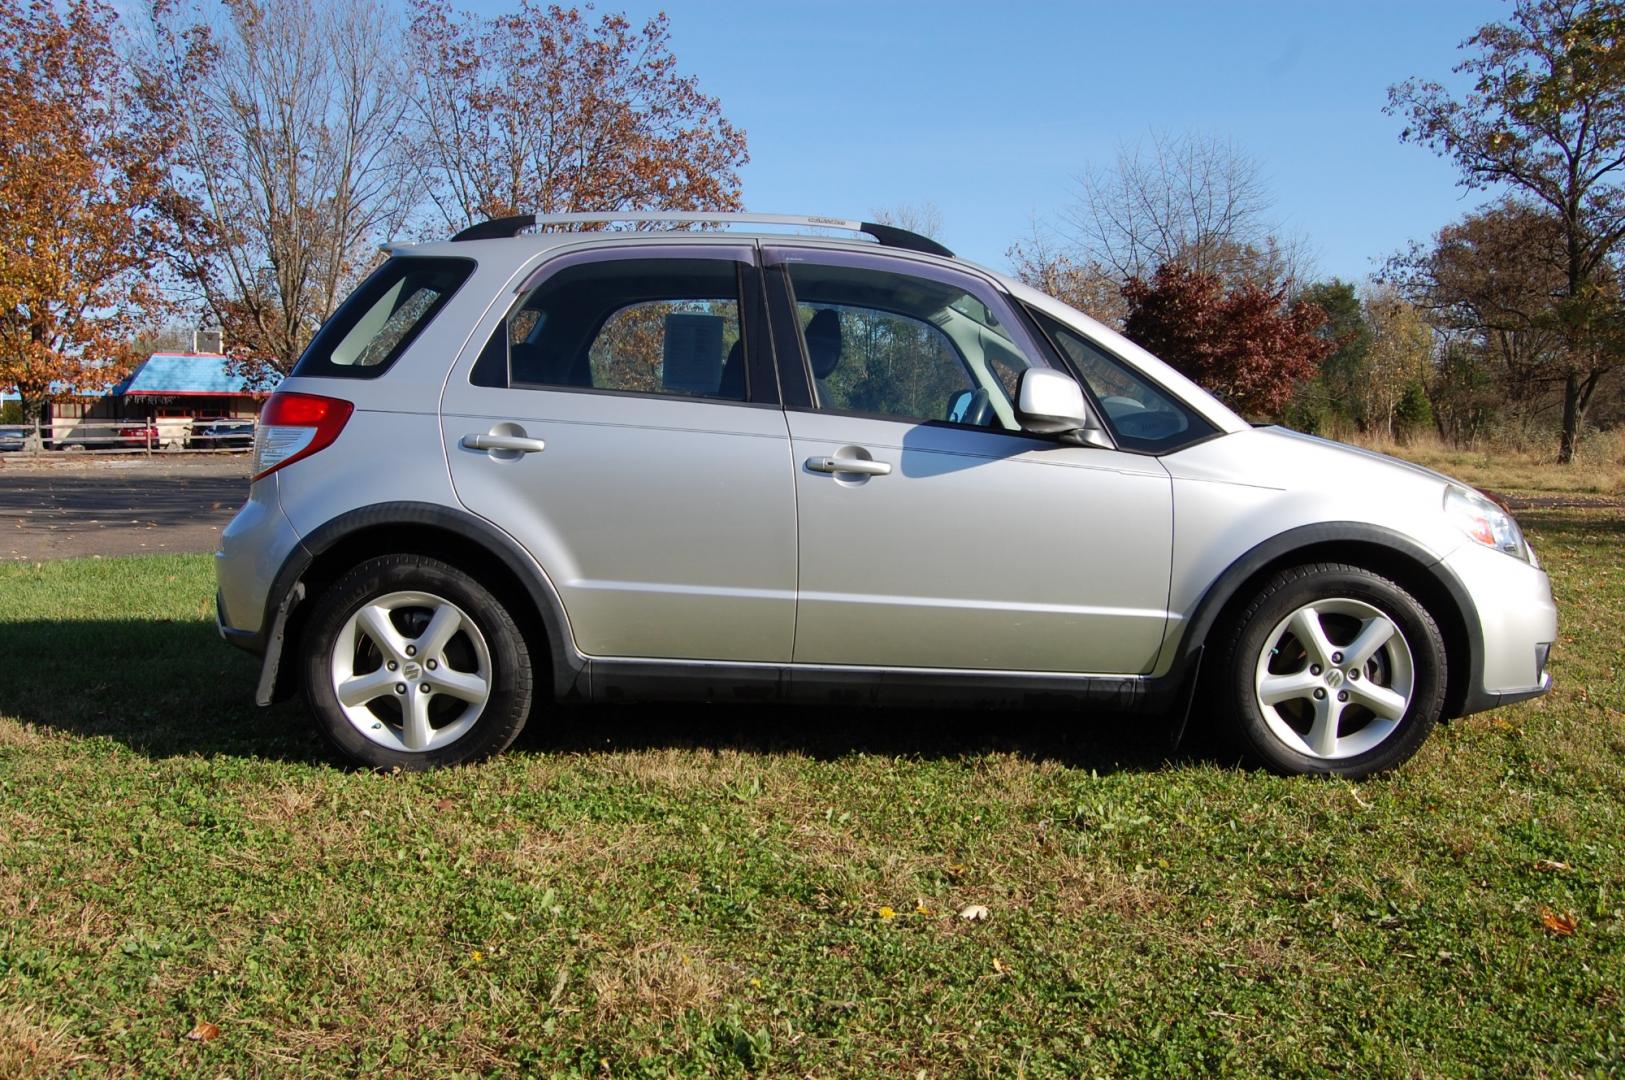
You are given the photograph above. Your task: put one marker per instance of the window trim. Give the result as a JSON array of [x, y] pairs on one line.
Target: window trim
[[778, 259]]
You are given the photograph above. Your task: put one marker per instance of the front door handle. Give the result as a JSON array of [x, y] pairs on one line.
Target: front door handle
[[519, 444], [862, 466]]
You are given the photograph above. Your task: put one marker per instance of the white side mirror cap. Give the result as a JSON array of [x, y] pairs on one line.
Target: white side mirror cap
[[1050, 403]]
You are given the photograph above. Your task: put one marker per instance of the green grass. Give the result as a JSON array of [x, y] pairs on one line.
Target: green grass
[[663, 892]]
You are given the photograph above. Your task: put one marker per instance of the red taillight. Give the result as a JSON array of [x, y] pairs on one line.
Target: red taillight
[[294, 426]]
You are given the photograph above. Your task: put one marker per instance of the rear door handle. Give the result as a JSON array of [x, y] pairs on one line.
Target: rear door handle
[[862, 466], [518, 443]]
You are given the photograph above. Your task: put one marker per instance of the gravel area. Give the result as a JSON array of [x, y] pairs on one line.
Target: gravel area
[[63, 507]]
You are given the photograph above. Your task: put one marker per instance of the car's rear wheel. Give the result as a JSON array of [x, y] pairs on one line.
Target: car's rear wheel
[[410, 662], [1332, 669]]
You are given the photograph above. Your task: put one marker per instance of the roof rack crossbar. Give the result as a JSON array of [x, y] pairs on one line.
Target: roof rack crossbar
[[889, 235]]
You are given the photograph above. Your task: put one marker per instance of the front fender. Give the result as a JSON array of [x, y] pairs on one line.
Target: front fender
[[1380, 549]]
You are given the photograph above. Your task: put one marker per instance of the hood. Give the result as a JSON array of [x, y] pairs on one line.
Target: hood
[[1370, 455]]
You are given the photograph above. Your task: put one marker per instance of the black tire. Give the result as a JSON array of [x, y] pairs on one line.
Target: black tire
[[1234, 688], [510, 675]]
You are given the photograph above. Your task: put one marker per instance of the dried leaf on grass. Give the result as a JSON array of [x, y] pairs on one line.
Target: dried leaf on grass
[[203, 1031], [1557, 922]]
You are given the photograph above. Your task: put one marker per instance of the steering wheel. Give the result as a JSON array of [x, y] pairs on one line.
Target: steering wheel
[[978, 411]]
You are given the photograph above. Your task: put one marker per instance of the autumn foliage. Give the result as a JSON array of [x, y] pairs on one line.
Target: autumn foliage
[[314, 130], [1247, 344], [1544, 120], [549, 111], [81, 172]]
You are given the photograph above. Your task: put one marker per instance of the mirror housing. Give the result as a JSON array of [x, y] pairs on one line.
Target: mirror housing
[[1051, 403]]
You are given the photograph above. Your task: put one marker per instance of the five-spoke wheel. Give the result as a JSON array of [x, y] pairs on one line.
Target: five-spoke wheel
[[1332, 668], [411, 671], [1334, 678], [411, 662]]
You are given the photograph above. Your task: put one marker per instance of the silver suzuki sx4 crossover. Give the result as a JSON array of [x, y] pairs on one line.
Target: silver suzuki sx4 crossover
[[530, 465]]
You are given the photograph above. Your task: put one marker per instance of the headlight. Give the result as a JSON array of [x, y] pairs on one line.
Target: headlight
[[1485, 522]]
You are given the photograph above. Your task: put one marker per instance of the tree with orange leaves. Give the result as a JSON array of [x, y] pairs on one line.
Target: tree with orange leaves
[[546, 110], [81, 171]]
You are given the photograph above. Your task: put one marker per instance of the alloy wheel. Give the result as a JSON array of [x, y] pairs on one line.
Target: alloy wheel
[[411, 671], [1334, 678]]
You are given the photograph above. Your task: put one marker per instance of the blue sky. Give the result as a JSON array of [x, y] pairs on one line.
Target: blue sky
[[991, 110]]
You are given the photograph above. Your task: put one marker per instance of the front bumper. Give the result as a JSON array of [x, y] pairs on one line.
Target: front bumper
[[1516, 625]]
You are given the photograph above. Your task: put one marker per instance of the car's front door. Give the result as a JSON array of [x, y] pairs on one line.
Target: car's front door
[[934, 533], [622, 422]]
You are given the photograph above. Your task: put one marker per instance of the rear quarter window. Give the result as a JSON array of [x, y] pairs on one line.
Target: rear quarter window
[[381, 319]]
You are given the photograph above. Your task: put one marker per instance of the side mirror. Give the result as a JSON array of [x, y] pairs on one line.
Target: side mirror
[[1051, 403]]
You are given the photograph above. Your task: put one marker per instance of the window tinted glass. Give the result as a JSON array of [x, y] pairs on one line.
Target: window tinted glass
[[891, 344], [1141, 416], [652, 326], [372, 328]]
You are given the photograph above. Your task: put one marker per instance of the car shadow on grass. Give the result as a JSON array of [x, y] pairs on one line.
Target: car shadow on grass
[[1099, 742], [163, 688], [167, 688]]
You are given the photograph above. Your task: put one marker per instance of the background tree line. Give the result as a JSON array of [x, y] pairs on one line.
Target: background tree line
[[242, 160], [1507, 324]]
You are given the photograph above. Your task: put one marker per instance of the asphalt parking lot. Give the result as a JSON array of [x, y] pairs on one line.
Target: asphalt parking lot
[[58, 508]]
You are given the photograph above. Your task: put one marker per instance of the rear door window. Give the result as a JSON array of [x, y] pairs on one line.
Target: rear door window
[[668, 326]]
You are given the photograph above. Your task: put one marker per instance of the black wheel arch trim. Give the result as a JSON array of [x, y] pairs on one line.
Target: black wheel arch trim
[[1462, 698], [287, 588]]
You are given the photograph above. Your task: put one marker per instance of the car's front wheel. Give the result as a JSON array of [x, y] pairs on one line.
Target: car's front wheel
[[410, 662], [1332, 669]]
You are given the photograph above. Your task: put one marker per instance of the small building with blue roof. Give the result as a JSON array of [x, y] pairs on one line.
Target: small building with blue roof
[[173, 391]]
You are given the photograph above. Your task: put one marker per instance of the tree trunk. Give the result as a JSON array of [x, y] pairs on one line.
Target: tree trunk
[[1573, 413], [34, 416]]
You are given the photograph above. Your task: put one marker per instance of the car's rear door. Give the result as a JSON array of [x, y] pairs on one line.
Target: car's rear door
[[622, 422], [965, 543]]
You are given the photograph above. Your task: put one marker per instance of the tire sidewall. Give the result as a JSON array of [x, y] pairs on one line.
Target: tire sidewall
[[1291, 590], [511, 681]]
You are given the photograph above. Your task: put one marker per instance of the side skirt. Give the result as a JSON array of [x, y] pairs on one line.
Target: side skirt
[[623, 680]]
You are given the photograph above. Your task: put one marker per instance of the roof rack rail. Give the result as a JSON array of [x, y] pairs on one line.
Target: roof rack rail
[[889, 235]]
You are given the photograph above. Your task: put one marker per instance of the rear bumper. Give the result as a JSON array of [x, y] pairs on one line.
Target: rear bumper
[[253, 547], [250, 612], [248, 640]]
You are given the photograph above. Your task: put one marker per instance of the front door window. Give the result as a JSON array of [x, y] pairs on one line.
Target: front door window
[[886, 344]]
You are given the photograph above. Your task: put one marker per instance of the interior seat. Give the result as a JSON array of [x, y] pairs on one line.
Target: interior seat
[[732, 385]]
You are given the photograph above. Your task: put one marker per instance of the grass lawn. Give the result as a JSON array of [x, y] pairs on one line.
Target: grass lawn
[[763, 892]]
